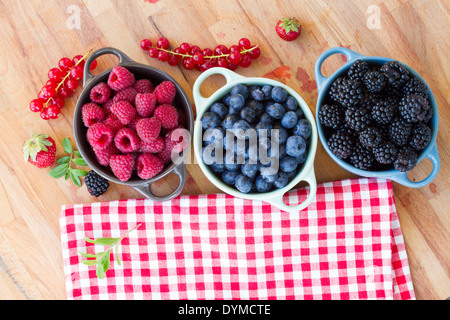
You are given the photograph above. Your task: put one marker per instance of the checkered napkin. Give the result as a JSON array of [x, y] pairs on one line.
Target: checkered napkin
[[346, 245]]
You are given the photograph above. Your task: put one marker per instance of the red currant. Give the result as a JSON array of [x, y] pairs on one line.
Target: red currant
[[71, 84], [163, 56], [246, 61], [64, 92], [153, 52], [194, 49], [37, 105], [207, 52], [255, 53], [173, 60], [178, 50], [162, 43], [234, 48], [53, 111], [233, 66], [58, 101], [206, 65], [220, 49], [185, 47], [47, 92], [198, 58], [222, 62], [78, 60], [76, 73], [65, 64], [51, 83], [244, 43], [44, 114], [146, 44], [234, 57], [93, 65], [188, 63], [54, 74]]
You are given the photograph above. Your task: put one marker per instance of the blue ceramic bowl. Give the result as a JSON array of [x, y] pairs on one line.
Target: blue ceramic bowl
[[323, 86]]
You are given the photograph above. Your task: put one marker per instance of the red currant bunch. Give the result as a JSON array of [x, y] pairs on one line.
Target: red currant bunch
[[193, 57], [62, 82]]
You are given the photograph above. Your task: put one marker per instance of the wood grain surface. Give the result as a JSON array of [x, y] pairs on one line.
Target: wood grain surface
[[34, 35]]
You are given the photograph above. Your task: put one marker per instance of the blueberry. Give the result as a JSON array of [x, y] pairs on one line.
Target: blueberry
[[295, 146], [249, 170], [280, 153], [276, 111], [257, 106], [243, 184], [231, 163], [282, 132], [237, 102], [262, 185], [299, 113], [265, 118], [291, 175], [291, 104], [288, 164], [232, 111], [220, 109], [208, 155], [240, 89], [263, 126], [226, 99], [303, 128], [229, 121], [281, 181], [210, 120], [213, 136], [301, 158], [241, 125], [264, 143], [248, 114], [270, 178], [229, 177], [257, 94], [217, 167], [279, 94], [267, 90], [289, 120]]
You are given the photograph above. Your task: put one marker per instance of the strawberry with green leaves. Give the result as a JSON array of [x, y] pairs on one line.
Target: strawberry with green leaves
[[40, 150], [288, 29]]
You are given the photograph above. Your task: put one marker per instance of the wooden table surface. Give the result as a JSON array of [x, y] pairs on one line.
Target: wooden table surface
[[34, 35]]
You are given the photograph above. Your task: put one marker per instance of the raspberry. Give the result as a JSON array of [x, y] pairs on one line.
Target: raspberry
[[128, 95], [92, 113], [148, 129], [132, 124], [100, 93], [100, 136], [176, 141], [107, 106], [168, 116], [143, 86], [114, 123], [124, 111], [148, 166], [145, 104], [120, 78], [154, 146], [103, 156], [122, 166], [165, 92], [126, 140], [181, 117]]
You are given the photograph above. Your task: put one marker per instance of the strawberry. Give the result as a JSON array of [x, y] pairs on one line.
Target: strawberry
[[40, 150], [288, 29]]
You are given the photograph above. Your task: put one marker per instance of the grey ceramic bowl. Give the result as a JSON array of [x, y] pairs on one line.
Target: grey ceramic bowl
[[140, 71]]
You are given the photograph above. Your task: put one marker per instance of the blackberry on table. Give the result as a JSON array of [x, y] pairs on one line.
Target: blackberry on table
[[397, 75], [341, 143], [331, 116], [347, 92], [399, 131], [358, 118], [420, 136], [361, 157], [358, 69], [406, 159], [96, 184], [385, 152], [374, 81], [371, 137], [415, 87], [414, 108], [383, 111]]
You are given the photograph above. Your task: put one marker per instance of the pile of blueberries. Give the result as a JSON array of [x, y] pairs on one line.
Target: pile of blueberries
[[255, 138]]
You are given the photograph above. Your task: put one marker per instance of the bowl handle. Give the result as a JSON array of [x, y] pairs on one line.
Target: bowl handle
[[229, 75], [351, 56], [123, 58], [180, 171], [279, 203], [402, 177]]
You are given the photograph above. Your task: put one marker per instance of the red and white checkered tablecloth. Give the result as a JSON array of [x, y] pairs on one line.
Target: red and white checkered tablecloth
[[346, 245]]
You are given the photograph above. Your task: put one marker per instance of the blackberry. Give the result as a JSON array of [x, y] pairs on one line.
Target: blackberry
[[371, 137], [420, 136], [374, 81], [341, 143], [414, 108], [383, 111], [406, 159], [415, 87], [96, 184], [347, 92], [331, 116], [385, 152], [399, 131], [397, 75], [358, 118], [362, 158], [358, 69]]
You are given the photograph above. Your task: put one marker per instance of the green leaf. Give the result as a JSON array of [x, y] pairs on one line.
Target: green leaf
[[89, 262], [117, 254], [67, 175], [59, 171], [100, 272], [102, 263], [63, 160], [80, 162], [77, 153], [78, 172], [75, 179], [87, 255], [103, 241], [67, 145]]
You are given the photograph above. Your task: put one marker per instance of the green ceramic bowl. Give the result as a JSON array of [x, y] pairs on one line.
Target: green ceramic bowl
[[273, 197]]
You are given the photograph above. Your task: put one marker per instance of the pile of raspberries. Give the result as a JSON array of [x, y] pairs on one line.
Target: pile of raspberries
[[131, 124]]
